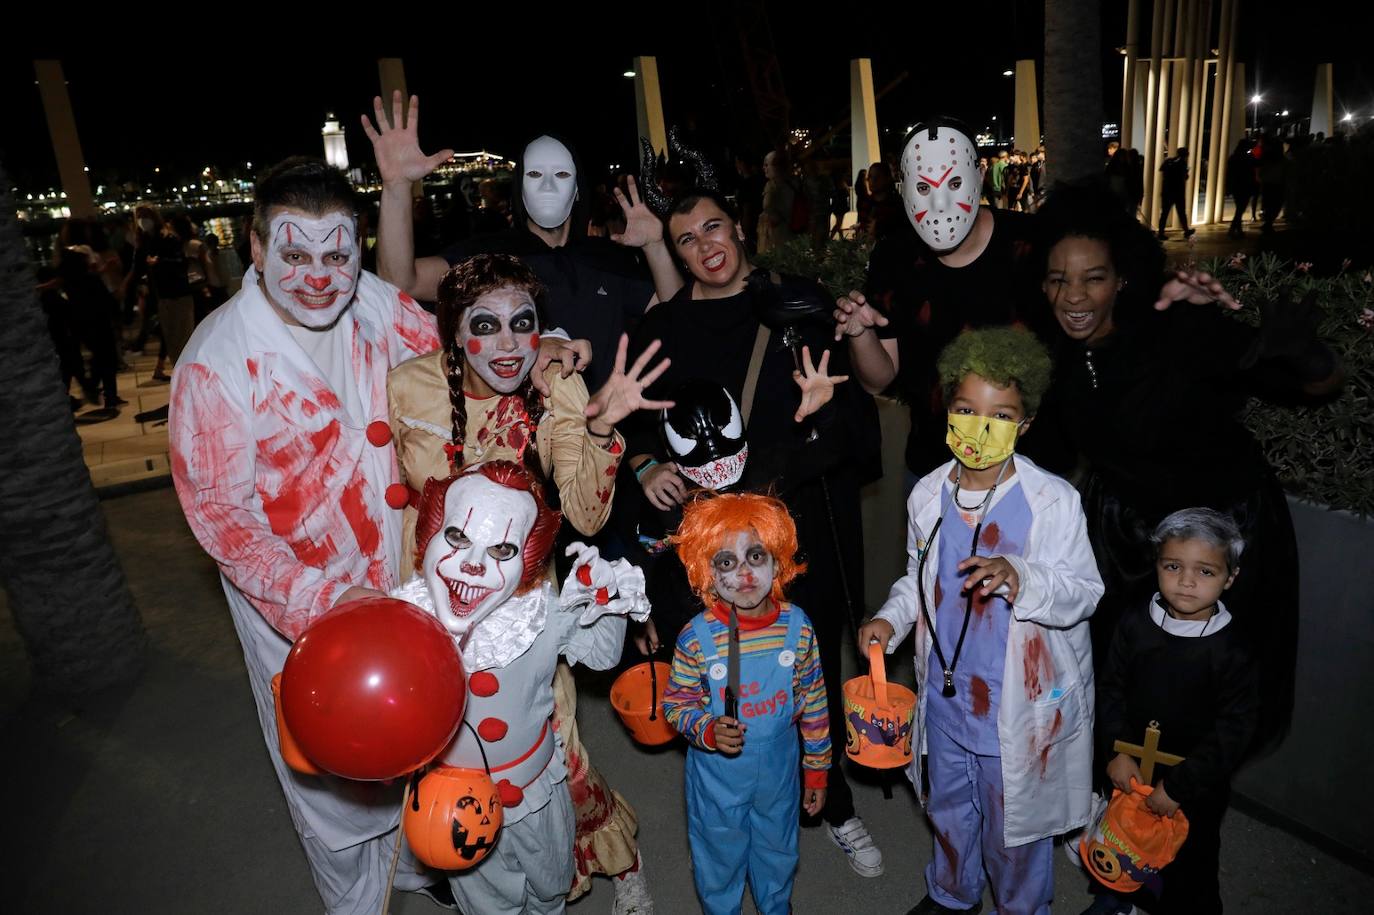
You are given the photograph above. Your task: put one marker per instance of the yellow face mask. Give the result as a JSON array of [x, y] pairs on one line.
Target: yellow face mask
[[980, 442]]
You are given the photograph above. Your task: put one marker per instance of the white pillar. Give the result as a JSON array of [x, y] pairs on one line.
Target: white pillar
[[1147, 145], [649, 103], [1322, 103], [1141, 104], [1128, 78], [66, 144], [1217, 152], [1027, 123], [863, 117]]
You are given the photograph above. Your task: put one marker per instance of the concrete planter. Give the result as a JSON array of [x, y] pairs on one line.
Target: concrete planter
[[1319, 777]]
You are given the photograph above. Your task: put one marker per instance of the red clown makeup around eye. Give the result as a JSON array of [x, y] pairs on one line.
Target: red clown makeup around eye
[[474, 346]]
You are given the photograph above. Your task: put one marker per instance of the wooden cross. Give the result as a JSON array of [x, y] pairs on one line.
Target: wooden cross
[[1148, 754]]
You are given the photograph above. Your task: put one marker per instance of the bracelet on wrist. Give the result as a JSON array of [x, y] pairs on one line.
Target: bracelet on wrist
[[594, 434], [644, 468]]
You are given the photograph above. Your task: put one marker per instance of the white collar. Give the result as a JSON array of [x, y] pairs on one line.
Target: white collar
[[1188, 629], [504, 634]]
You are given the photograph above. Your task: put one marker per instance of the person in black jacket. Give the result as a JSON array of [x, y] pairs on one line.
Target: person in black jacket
[[1177, 661]]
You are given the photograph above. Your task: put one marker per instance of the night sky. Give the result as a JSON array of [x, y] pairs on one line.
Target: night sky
[[154, 95]]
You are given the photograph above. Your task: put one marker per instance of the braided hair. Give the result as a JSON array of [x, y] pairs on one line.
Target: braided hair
[[459, 288]]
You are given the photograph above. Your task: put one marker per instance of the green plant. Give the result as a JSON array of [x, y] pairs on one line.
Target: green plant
[[839, 266], [1323, 453]]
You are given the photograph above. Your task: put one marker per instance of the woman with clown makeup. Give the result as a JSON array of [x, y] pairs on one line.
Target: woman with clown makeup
[[474, 401], [484, 543]]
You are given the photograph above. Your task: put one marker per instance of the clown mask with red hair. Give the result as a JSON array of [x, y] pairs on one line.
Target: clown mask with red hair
[[738, 548], [482, 536]]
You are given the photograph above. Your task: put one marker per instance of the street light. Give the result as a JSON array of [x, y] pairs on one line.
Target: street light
[[1255, 100], [628, 74], [1006, 73]]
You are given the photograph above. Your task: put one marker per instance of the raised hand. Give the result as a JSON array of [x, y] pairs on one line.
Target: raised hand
[[817, 387], [854, 316], [571, 355], [396, 143], [642, 227], [623, 392], [1195, 287]]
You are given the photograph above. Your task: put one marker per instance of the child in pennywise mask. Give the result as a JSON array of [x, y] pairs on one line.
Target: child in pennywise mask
[[485, 538], [741, 709]]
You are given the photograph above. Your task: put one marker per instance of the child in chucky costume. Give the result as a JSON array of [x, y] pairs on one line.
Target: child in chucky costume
[[1000, 583], [743, 770]]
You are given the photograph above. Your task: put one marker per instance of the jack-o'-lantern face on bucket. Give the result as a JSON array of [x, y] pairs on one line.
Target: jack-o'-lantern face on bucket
[[476, 818], [1104, 861], [454, 818]]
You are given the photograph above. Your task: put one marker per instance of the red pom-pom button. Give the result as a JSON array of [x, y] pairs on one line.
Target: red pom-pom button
[[492, 729], [603, 597], [484, 683], [398, 495], [379, 433], [511, 795], [584, 575]]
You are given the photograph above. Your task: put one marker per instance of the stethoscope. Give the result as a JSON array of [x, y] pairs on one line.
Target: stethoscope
[[982, 509]]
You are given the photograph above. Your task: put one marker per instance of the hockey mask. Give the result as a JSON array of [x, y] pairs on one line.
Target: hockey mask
[[311, 264], [940, 185], [549, 184], [499, 335], [472, 564], [704, 434]]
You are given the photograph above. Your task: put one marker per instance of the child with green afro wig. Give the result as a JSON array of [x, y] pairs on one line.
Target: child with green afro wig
[[1005, 356]]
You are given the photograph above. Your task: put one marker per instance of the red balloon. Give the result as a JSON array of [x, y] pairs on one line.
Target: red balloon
[[374, 689]]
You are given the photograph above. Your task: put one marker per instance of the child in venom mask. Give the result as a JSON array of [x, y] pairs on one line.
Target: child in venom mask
[[740, 706], [484, 543], [1000, 583]]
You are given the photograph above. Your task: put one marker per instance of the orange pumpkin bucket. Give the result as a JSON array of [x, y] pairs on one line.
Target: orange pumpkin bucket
[[290, 753], [453, 818], [637, 697], [878, 717]]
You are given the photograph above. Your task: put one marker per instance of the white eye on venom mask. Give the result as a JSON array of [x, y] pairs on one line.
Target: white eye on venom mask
[[473, 564], [311, 265], [549, 185], [940, 185], [499, 335]]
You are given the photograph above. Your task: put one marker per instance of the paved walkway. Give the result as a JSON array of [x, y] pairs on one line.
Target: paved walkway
[[120, 450], [159, 798]]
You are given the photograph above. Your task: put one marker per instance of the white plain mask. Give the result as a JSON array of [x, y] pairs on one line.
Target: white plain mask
[[940, 186], [549, 185], [473, 564], [499, 335], [311, 265]]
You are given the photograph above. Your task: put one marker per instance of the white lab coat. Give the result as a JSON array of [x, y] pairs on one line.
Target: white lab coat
[[1045, 716], [282, 487]]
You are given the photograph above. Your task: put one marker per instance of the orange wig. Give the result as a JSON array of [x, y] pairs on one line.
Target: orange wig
[[709, 521]]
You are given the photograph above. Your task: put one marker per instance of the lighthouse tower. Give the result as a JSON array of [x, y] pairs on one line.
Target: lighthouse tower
[[335, 149]]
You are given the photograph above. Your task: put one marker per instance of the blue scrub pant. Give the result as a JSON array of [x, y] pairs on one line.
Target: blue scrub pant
[[966, 812], [742, 814]]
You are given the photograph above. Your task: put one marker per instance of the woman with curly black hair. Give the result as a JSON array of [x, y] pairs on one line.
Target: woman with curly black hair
[[1146, 407]]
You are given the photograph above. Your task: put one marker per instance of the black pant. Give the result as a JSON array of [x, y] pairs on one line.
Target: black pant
[[1176, 201], [1242, 201], [1190, 884]]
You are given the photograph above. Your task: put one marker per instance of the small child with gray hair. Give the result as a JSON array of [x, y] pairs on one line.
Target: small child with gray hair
[[1178, 662]]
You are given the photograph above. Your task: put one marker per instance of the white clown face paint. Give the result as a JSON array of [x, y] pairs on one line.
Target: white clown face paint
[[473, 564], [499, 335], [940, 186], [311, 264], [549, 185], [742, 571]]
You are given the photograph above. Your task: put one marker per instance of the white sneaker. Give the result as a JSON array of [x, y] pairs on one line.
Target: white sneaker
[[632, 893], [853, 839]]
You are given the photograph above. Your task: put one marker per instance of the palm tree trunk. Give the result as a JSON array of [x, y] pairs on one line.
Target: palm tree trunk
[[66, 589], [1073, 88]]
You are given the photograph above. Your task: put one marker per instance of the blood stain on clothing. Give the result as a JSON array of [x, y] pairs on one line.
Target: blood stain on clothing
[[354, 505], [253, 367], [950, 851], [939, 593], [982, 699], [323, 395], [1038, 667], [992, 535], [1049, 741]]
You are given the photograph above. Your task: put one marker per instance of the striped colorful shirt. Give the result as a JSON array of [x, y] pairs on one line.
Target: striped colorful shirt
[[686, 698]]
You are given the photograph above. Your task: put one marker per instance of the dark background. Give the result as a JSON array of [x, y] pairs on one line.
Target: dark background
[[183, 88]]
